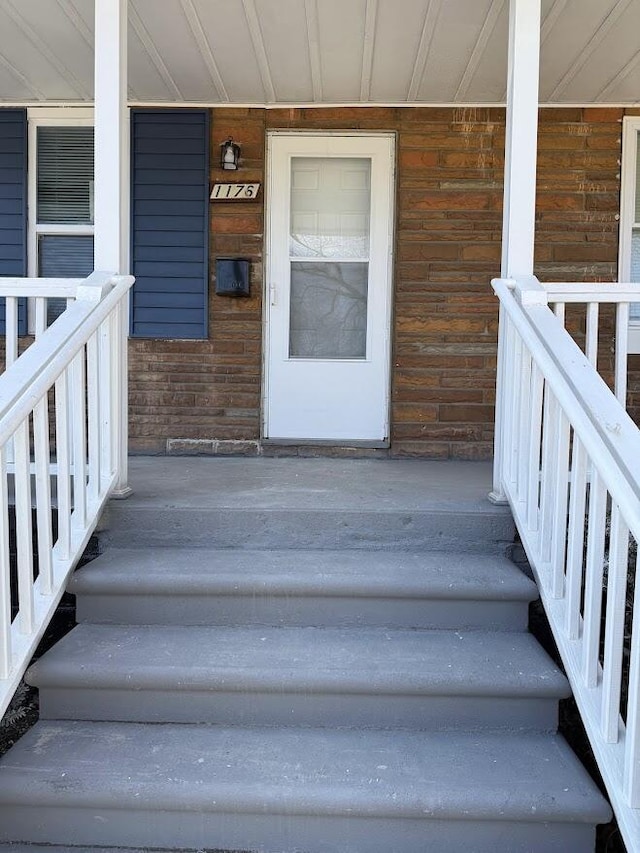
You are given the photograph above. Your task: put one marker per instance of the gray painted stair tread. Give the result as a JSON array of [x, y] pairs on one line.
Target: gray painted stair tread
[[302, 659], [321, 484], [300, 771], [198, 571]]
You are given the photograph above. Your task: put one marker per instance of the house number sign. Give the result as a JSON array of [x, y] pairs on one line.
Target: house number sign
[[234, 192]]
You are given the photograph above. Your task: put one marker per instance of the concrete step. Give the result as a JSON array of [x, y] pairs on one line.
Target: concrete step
[[301, 676], [271, 789], [199, 586], [310, 503]]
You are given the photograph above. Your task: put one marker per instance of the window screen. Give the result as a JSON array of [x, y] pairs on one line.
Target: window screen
[[65, 175]]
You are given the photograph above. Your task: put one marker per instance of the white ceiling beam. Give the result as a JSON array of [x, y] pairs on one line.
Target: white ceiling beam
[[253, 22], [198, 33], [43, 48], [426, 40], [618, 78], [313, 37], [19, 76], [495, 10], [152, 52], [71, 12], [594, 42], [550, 19], [367, 50]]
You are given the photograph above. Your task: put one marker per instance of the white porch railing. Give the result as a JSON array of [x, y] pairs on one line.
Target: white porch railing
[[568, 461], [62, 429]]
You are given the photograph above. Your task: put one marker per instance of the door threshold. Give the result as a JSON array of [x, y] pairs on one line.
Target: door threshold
[[324, 442]]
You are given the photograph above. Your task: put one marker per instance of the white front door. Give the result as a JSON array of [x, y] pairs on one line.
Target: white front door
[[330, 212]]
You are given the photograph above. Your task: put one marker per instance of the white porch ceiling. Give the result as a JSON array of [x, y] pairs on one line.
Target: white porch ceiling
[[266, 52]]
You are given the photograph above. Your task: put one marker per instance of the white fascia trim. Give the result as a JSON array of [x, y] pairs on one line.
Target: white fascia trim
[[314, 105]]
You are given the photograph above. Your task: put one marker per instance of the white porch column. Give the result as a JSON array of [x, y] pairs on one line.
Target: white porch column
[[521, 147], [111, 196]]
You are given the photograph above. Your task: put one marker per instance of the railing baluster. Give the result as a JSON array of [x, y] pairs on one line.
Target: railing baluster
[[593, 580], [591, 342], [614, 625], [41, 315], [524, 417], [11, 330], [549, 451], [107, 420], [5, 567], [631, 783], [93, 403], [516, 349], [622, 351], [535, 434], [79, 440], [42, 458], [561, 486], [575, 543], [63, 458], [24, 540]]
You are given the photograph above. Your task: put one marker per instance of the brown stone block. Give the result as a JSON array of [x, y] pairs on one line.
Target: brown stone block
[[413, 251], [480, 450], [606, 141], [426, 325], [456, 201], [437, 395], [583, 252], [420, 449], [554, 115], [414, 159], [236, 223], [560, 201], [603, 202], [560, 142], [604, 119], [465, 414], [425, 413], [482, 252]]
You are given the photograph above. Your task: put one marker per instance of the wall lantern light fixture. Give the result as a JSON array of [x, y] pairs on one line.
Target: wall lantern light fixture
[[229, 154]]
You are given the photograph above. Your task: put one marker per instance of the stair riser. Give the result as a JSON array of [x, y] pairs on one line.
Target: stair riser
[[257, 708], [306, 529], [285, 833], [298, 611]]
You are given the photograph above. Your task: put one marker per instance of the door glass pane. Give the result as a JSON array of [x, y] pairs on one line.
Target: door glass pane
[[329, 246], [328, 314], [62, 256], [65, 175], [330, 203]]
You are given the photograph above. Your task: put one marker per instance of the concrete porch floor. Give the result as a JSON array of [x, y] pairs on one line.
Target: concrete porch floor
[[307, 484]]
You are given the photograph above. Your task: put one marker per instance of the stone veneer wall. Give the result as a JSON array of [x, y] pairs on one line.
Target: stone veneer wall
[[448, 226]]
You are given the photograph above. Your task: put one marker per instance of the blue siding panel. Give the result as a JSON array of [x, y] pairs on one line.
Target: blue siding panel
[[170, 223], [13, 204]]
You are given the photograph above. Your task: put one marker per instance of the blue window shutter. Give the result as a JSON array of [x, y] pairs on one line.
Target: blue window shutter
[[170, 223], [13, 204]]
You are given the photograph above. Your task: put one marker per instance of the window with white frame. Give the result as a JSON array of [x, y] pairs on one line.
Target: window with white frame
[[629, 260], [61, 162]]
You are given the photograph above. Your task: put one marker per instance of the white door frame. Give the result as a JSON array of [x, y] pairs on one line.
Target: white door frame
[[385, 301]]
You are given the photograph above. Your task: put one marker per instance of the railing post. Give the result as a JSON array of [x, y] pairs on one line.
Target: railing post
[[518, 229], [111, 200]]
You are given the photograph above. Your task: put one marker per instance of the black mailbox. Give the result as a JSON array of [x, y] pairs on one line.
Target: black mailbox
[[232, 277]]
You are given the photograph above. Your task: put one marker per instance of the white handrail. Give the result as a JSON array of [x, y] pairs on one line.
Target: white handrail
[[62, 374], [568, 461]]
